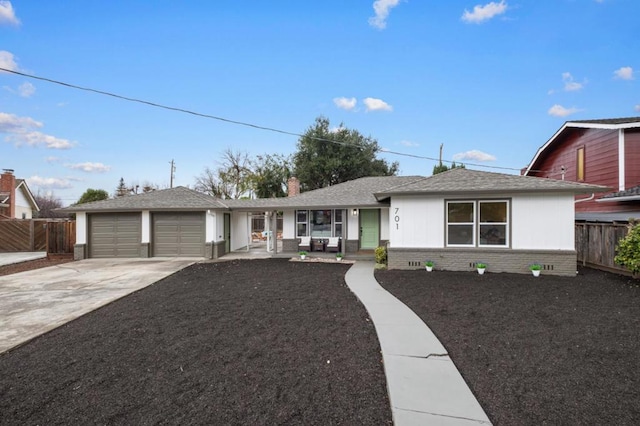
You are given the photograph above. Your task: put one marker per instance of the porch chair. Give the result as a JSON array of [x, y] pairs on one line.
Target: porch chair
[[304, 244], [333, 244]]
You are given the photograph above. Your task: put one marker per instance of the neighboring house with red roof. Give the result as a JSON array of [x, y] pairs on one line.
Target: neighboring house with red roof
[[16, 199], [600, 152]]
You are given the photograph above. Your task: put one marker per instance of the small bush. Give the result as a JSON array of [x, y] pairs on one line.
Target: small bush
[[628, 248], [381, 255]]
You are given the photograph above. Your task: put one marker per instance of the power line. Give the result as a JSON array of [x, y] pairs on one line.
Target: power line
[[240, 123]]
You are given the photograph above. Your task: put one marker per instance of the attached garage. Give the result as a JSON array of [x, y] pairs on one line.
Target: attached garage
[[178, 234], [114, 235]]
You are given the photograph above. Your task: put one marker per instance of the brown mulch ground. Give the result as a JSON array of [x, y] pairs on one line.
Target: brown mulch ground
[[535, 351], [260, 342], [32, 264]]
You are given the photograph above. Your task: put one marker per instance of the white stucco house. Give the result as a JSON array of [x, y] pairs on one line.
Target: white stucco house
[[456, 219]]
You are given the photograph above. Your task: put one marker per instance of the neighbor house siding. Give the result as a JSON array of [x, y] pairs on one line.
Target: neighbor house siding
[[601, 162]]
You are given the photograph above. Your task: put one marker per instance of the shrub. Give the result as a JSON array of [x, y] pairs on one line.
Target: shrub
[[628, 248], [381, 255]]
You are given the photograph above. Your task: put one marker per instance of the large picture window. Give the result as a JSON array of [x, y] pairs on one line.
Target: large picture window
[[319, 223], [478, 223]]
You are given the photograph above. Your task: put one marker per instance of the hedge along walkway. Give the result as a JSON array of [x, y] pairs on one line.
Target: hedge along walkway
[[245, 342]]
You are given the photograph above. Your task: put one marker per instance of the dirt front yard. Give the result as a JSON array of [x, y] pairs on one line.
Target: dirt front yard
[[536, 351], [260, 342]]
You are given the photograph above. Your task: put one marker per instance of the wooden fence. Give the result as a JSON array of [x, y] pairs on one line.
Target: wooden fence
[[55, 237], [596, 245], [61, 237]]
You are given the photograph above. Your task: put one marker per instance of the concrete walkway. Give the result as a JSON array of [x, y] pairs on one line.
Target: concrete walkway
[[425, 387], [10, 258], [34, 302]]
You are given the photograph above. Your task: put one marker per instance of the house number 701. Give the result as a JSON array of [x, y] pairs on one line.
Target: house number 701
[[396, 218]]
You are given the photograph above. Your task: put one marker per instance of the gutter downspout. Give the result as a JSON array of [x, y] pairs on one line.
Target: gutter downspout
[[593, 195]]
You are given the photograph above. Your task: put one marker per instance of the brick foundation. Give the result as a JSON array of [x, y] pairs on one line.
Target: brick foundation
[[554, 262]]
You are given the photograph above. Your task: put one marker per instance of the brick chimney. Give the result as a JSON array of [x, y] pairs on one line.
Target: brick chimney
[[8, 184], [293, 186]]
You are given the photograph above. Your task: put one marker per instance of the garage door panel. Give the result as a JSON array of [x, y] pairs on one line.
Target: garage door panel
[[114, 235], [178, 234]]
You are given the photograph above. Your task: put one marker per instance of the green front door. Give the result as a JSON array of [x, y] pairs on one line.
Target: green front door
[[369, 229]]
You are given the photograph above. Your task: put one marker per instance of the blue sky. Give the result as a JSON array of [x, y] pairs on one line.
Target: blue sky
[[492, 81]]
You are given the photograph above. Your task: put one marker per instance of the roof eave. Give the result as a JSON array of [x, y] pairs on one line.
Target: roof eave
[[616, 199]]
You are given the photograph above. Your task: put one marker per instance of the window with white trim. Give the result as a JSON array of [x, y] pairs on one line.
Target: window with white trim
[[302, 223], [460, 223], [477, 223], [337, 231], [493, 229]]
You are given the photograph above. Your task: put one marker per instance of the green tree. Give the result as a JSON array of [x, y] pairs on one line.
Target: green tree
[[327, 157], [439, 168], [270, 175], [121, 189], [91, 195]]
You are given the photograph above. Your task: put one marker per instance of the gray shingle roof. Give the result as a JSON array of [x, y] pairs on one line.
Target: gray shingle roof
[[466, 181], [630, 194], [178, 198], [354, 193], [623, 120]]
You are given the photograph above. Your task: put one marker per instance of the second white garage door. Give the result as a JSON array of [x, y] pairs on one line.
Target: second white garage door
[[178, 234]]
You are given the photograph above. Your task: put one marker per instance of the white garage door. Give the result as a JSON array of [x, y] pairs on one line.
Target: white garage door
[[114, 235], [178, 234]]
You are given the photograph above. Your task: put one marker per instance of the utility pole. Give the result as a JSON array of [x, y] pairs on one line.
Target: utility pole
[[440, 164], [173, 171]]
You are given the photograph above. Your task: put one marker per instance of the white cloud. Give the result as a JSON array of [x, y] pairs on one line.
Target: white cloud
[[7, 14], [345, 103], [52, 159], [560, 111], [409, 144], [7, 61], [569, 84], [624, 73], [474, 155], [483, 13], [374, 104], [382, 9], [20, 131], [89, 167], [52, 183], [26, 89]]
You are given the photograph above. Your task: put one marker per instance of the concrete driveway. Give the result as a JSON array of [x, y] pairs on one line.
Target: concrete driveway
[[34, 302], [19, 257]]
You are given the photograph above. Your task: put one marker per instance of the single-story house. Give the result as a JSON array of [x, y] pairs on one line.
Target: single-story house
[[456, 218]]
